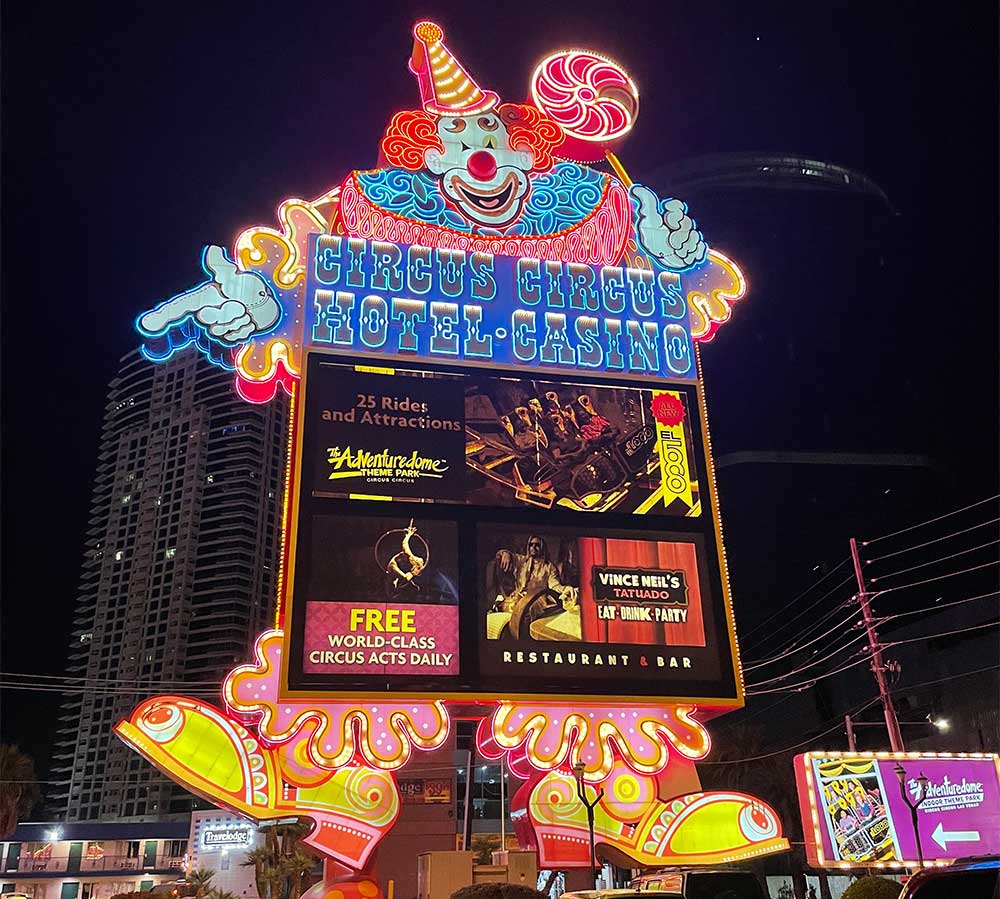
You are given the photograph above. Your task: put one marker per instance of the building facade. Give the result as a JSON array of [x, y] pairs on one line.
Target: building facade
[[179, 570], [92, 860], [220, 842]]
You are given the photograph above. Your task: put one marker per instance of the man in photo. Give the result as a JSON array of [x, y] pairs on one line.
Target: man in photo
[[527, 587]]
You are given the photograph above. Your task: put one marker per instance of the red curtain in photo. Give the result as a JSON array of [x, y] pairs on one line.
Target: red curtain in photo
[[682, 556], [592, 552]]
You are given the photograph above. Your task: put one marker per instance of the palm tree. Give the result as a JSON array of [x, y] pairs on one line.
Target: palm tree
[[293, 868], [20, 792], [264, 872], [220, 894], [280, 865], [201, 880]]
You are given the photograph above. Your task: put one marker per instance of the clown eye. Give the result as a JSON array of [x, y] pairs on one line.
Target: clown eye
[[162, 722], [488, 123], [457, 126], [757, 824]]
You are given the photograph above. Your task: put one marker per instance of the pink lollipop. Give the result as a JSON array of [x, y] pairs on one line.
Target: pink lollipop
[[591, 97]]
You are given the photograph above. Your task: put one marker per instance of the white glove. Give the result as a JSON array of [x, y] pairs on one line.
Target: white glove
[[666, 232], [232, 307]]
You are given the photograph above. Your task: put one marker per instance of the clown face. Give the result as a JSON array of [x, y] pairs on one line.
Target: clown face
[[479, 171]]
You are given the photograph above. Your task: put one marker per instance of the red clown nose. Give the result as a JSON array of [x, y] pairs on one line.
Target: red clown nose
[[481, 165]]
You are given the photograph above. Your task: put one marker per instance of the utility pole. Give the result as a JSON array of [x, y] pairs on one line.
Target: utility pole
[[851, 742], [891, 722]]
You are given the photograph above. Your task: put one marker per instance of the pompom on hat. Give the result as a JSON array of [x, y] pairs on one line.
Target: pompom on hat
[[446, 89]]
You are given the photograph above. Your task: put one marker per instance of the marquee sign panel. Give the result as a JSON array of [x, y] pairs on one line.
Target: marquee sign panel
[[399, 302], [465, 534], [854, 815], [500, 489]]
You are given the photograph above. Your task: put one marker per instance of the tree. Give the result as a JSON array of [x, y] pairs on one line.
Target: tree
[[497, 891], [873, 888], [280, 865], [201, 880], [294, 868], [264, 874], [19, 792], [220, 894]]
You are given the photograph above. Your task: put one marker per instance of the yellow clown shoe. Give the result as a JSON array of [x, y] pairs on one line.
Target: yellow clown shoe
[[632, 825], [199, 747]]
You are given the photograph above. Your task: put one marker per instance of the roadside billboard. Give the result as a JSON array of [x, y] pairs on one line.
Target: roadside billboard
[[854, 812], [479, 535]]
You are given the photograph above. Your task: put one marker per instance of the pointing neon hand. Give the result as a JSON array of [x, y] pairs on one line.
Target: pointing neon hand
[[232, 307], [666, 231]]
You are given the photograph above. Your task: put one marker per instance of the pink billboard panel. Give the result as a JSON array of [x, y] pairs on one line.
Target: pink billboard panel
[[855, 811]]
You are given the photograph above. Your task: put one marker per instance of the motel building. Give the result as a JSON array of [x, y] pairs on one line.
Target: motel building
[[100, 860], [91, 860]]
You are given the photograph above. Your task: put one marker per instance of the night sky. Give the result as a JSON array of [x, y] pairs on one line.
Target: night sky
[[134, 135]]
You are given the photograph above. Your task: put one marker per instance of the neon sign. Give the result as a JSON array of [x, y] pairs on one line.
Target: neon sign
[[466, 172], [488, 235], [853, 814], [389, 300], [226, 837]]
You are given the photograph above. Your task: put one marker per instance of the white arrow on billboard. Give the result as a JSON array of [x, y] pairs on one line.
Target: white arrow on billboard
[[943, 837]]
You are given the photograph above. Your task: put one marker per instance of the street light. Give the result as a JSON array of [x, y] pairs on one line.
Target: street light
[[921, 795], [581, 791]]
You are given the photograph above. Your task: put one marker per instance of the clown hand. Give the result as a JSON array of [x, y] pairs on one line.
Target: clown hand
[[666, 232], [232, 307]]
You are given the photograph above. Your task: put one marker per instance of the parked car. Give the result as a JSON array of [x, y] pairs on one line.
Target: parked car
[[968, 878]]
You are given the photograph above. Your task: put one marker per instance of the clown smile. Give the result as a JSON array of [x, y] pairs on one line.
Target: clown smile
[[494, 202]]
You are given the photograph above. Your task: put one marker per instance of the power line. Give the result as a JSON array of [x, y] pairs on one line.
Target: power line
[[767, 755], [930, 580], [807, 609], [921, 524], [108, 680], [809, 629], [962, 630], [957, 602], [730, 723], [803, 685], [900, 552], [796, 647], [961, 552], [811, 664], [102, 691], [941, 680], [805, 592]]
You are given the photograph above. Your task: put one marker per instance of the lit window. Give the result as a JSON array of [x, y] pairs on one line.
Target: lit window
[[126, 499], [131, 476], [119, 554], [170, 553], [210, 479]]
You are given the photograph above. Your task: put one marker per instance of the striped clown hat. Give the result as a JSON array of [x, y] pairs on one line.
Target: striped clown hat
[[446, 89]]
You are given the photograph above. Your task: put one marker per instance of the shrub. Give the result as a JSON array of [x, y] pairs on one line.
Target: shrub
[[873, 888], [498, 891]]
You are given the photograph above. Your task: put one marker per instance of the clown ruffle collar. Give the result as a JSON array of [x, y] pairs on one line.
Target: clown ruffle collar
[[559, 199]]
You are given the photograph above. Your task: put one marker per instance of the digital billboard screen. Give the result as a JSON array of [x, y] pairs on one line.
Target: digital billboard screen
[[613, 606], [463, 534], [854, 813], [382, 597], [486, 440]]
